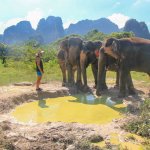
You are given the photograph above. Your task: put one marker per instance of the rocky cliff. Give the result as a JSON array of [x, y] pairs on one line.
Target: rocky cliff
[[140, 29]]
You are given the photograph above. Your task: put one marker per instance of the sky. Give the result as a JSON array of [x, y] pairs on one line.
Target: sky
[[72, 11]]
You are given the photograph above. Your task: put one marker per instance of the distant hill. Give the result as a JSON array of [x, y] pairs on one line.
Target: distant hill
[[19, 33], [82, 27], [51, 28], [140, 29], [1, 38]]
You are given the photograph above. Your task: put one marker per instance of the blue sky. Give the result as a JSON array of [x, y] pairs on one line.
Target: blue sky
[[71, 11]]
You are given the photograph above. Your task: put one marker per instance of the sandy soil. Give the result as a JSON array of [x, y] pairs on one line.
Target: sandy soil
[[57, 136]]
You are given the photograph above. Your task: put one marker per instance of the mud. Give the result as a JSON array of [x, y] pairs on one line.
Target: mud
[[59, 135]]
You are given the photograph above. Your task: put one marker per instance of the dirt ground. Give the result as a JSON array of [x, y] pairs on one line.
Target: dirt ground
[[59, 135]]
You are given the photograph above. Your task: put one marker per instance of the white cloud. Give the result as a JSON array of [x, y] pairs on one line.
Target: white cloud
[[139, 2], [67, 23], [116, 4], [118, 19], [4, 25], [32, 16]]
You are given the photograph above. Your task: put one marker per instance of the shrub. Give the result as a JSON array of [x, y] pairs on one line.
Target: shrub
[[141, 125]]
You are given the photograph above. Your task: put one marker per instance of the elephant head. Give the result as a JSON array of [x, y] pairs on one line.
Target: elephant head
[[112, 48], [90, 52], [64, 45]]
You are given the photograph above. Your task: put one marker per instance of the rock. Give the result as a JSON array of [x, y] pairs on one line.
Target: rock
[[70, 147], [18, 33], [23, 84], [140, 29], [50, 29]]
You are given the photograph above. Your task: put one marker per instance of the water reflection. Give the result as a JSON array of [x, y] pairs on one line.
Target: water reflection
[[42, 104], [110, 102], [91, 99]]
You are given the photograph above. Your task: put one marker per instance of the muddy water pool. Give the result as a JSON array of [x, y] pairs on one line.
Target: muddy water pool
[[78, 108]]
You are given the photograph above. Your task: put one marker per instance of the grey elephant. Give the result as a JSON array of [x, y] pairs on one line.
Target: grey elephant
[[133, 54], [70, 53], [88, 56], [62, 65], [106, 62]]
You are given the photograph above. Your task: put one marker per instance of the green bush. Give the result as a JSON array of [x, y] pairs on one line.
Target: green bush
[[141, 125]]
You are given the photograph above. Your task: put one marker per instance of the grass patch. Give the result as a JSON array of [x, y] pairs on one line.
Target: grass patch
[[95, 138], [85, 145], [19, 71], [141, 125]]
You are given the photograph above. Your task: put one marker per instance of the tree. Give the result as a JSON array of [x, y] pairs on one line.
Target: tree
[[95, 35], [3, 53], [120, 35]]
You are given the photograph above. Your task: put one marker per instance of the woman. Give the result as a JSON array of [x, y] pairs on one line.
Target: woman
[[39, 69]]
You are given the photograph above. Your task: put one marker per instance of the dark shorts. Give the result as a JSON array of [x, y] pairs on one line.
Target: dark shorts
[[39, 73]]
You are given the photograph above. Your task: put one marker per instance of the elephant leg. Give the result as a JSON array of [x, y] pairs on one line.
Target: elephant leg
[[103, 82], [101, 75], [117, 79], [79, 82], [70, 75], [73, 74], [94, 70], [123, 80], [63, 71], [130, 85], [83, 71]]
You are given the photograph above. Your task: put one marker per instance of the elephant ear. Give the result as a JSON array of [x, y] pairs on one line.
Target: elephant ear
[[97, 44], [115, 46], [64, 45]]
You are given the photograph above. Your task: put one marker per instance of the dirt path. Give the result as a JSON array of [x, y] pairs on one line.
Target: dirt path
[[55, 136]]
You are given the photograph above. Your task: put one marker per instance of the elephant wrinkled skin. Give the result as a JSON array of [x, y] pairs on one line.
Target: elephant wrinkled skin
[[133, 55], [88, 56], [105, 62], [71, 49]]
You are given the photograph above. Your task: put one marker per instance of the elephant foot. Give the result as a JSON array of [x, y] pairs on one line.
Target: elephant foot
[[132, 92], [79, 84], [116, 86], [64, 84], [121, 95], [98, 93], [103, 88], [94, 86], [85, 89], [70, 84]]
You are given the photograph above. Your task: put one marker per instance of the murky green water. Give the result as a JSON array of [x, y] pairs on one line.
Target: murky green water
[[79, 108], [124, 142]]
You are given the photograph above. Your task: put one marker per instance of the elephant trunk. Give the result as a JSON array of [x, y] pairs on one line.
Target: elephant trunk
[[83, 60], [101, 75]]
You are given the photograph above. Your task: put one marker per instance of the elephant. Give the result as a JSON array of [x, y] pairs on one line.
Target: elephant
[[105, 62], [62, 65], [133, 54], [88, 56], [72, 48]]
